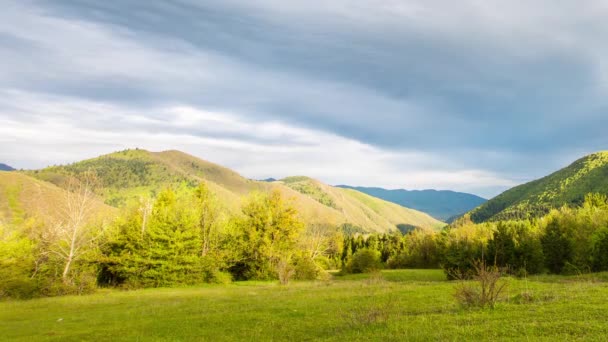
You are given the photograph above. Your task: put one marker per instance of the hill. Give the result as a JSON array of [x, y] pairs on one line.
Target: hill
[[22, 196], [4, 167], [129, 174], [567, 186], [441, 204]]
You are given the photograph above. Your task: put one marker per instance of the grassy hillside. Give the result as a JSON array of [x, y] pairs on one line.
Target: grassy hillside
[[441, 204], [22, 196], [404, 305], [567, 186], [129, 174]]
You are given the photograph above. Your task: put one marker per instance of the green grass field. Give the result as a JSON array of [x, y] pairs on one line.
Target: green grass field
[[412, 305]]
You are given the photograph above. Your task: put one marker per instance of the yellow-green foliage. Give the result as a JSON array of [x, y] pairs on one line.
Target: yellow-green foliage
[[567, 186], [309, 187]]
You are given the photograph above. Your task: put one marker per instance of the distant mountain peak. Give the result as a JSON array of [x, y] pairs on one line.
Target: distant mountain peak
[[4, 167]]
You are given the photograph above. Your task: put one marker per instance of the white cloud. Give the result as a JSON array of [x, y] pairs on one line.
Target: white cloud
[[46, 140], [75, 88]]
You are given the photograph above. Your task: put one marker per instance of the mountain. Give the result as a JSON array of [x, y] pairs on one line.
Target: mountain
[[4, 167], [130, 174], [567, 186], [441, 204]]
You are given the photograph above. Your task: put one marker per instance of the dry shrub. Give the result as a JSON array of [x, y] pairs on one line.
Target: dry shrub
[[485, 290], [378, 312], [375, 278], [285, 271]]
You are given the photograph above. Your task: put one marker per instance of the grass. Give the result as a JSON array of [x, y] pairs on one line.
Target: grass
[[413, 305]]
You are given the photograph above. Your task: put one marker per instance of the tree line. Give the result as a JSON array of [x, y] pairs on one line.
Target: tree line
[[184, 236]]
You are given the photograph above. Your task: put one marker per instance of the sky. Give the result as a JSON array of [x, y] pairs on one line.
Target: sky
[[472, 95]]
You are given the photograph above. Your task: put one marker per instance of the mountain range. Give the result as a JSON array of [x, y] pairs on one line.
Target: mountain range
[[128, 175], [443, 205], [567, 186]]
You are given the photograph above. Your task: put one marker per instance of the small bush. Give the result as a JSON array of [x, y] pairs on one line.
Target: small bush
[[18, 288], [306, 269], [218, 277], [486, 289], [363, 261], [367, 314]]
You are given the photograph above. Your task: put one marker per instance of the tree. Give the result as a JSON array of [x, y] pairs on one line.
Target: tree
[[319, 240], [270, 230], [501, 248], [208, 213], [557, 249], [73, 233], [599, 250]]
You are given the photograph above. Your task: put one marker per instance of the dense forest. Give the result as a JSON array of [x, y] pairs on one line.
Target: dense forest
[[184, 236]]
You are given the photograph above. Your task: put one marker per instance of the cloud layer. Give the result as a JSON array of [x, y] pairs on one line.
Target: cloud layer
[[474, 96]]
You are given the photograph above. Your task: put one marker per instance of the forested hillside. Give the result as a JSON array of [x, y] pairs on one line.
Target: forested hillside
[[568, 186]]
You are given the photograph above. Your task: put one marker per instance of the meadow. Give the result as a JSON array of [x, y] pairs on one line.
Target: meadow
[[396, 305]]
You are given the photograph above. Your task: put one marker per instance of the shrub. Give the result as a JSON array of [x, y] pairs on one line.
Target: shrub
[[486, 289], [285, 271], [18, 288], [363, 261], [218, 277], [306, 269]]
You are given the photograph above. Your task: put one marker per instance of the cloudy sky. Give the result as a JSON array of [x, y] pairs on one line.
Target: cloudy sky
[[471, 95]]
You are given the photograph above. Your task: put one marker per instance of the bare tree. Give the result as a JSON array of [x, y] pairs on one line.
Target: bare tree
[[73, 232], [317, 240], [145, 208], [209, 215]]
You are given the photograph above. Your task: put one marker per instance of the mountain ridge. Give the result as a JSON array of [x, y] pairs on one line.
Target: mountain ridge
[[441, 204]]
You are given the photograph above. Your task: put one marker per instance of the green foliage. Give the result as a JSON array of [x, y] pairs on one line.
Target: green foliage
[[363, 261], [599, 250], [172, 244], [306, 268], [568, 186], [270, 229], [309, 187], [16, 264], [515, 246]]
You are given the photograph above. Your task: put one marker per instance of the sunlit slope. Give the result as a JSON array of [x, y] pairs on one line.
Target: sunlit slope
[[359, 209], [131, 174], [567, 186], [23, 197]]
